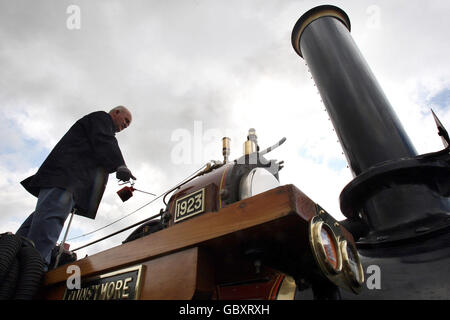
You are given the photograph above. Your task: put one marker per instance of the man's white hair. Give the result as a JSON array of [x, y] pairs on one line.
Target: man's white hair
[[120, 108]]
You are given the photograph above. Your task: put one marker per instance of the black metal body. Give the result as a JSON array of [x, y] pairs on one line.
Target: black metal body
[[411, 270], [398, 204], [415, 269]]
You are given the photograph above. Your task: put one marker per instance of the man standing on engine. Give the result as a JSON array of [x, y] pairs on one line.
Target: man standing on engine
[[74, 176]]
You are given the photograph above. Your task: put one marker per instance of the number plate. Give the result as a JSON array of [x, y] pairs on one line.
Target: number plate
[[190, 205], [119, 285]]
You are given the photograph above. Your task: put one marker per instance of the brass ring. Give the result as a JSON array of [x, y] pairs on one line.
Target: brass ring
[[354, 280], [319, 249]]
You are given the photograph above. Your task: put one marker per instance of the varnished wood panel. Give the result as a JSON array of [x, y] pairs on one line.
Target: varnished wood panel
[[181, 276]]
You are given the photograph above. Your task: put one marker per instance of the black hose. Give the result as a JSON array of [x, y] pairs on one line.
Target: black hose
[[9, 248], [8, 286], [30, 274], [21, 267]]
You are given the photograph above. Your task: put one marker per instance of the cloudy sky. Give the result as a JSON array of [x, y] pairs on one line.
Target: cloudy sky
[[192, 72]]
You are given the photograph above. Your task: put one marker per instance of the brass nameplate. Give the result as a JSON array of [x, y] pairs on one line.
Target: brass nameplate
[[190, 205], [119, 285]]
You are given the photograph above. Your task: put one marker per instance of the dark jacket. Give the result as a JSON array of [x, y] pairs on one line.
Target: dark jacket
[[80, 162]]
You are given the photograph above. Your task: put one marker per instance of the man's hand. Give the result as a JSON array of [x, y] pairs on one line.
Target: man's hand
[[124, 174]]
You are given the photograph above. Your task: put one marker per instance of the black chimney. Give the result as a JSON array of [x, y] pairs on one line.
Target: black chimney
[[395, 193]]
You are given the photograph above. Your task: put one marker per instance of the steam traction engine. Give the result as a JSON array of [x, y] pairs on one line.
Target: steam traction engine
[[232, 232]]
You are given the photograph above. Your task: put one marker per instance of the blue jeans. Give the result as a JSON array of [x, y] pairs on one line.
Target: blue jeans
[[45, 224]]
